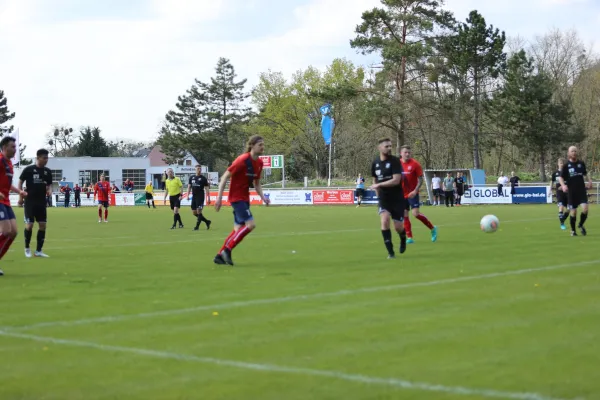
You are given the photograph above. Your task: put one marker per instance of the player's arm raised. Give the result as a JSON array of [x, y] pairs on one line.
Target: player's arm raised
[[222, 184]]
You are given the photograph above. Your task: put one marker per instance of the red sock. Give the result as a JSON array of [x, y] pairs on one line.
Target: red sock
[[5, 242], [238, 237], [227, 241], [105, 214], [425, 221], [99, 213], [407, 227]]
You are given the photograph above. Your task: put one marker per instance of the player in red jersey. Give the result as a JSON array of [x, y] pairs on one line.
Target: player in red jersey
[[245, 173], [8, 221], [412, 181], [102, 193]]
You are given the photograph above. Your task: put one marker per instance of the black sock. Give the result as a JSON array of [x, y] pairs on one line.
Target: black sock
[[583, 219], [148, 204], [153, 203], [28, 235], [402, 235], [203, 218], [561, 217], [199, 220], [387, 240], [179, 219], [573, 221], [175, 219], [41, 237]]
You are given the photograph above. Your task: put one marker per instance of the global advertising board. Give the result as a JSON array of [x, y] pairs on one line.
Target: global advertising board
[[289, 197], [486, 195], [333, 196], [523, 195]]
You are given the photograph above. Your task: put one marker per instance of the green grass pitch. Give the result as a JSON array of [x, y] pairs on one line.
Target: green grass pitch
[[312, 310]]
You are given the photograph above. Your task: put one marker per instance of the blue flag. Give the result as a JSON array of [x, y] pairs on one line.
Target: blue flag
[[327, 123]]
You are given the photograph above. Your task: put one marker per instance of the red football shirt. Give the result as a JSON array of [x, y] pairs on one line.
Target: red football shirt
[[411, 172], [244, 171], [102, 190], [6, 176]]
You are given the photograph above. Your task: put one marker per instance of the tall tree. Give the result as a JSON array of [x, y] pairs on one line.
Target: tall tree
[[91, 143], [209, 119], [5, 114], [402, 32], [477, 52], [527, 105]]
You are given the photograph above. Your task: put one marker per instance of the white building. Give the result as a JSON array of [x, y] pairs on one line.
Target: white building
[[147, 165]]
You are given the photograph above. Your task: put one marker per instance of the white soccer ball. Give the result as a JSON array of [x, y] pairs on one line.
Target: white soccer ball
[[489, 223]]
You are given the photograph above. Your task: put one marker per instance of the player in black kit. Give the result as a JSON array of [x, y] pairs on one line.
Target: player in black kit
[[38, 181], [561, 197], [387, 181], [572, 181], [196, 185]]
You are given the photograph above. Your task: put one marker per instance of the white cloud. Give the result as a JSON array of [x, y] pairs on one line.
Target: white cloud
[[124, 75]]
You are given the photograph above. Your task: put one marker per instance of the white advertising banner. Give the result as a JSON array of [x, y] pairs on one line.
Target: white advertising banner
[[289, 197], [124, 199], [486, 195]]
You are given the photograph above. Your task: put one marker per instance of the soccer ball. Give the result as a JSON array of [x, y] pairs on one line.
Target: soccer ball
[[489, 223]]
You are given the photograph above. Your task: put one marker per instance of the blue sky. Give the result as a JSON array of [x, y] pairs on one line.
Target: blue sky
[[120, 64]]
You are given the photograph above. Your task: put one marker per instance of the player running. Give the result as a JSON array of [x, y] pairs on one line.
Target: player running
[[244, 172], [411, 182], [174, 186], [8, 222], [386, 171], [38, 182], [102, 192], [196, 185], [561, 197], [572, 182]]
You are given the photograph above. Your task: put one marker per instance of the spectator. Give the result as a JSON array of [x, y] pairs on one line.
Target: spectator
[[115, 189], [449, 185], [66, 190], [436, 185], [502, 181]]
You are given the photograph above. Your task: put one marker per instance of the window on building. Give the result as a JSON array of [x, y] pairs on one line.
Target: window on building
[[188, 163], [179, 162], [57, 175], [92, 176], [138, 176]]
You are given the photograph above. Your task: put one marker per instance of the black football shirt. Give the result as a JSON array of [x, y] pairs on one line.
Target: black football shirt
[[36, 181], [383, 171], [573, 173], [198, 182]]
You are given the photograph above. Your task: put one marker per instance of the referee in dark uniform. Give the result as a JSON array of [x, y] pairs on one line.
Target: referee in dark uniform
[[38, 181], [387, 182], [572, 181]]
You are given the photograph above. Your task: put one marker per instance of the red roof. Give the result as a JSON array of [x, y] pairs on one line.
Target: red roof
[[156, 157]]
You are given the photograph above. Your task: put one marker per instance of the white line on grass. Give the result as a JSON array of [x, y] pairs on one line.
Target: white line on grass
[[218, 239], [287, 299], [394, 382]]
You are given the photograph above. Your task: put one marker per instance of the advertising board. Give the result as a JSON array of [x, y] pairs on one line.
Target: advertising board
[[333, 196]]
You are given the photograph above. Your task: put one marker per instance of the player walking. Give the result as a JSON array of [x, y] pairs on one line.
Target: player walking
[[102, 193], [196, 185], [173, 187], [572, 181], [561, 197], [8, 222], [387, 181], [244, 172], [38, 182], [412, 181]]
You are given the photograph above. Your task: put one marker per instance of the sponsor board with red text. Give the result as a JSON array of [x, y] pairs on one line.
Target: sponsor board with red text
[[333, 196]]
